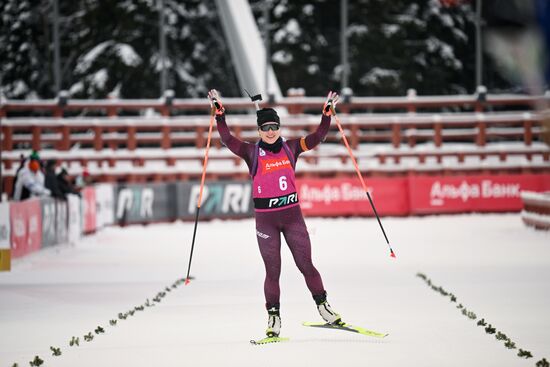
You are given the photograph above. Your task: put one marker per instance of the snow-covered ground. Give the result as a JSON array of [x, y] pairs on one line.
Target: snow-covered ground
[[493, 264]]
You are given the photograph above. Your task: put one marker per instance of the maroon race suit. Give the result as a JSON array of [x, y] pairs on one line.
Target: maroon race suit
[[276, 204]]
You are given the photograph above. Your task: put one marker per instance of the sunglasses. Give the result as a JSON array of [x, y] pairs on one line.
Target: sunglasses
[[272, 127]]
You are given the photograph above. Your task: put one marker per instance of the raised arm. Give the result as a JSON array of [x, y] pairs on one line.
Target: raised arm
[[235, 145], [315, 138]]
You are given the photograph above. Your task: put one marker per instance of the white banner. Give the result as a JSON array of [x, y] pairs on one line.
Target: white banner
[[75, 220], [105, 213], [4, 226]]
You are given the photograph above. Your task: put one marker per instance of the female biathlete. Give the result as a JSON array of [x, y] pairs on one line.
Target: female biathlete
[[271, 163]]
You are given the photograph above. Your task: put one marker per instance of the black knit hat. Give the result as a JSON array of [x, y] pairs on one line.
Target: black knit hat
[[267, 115]]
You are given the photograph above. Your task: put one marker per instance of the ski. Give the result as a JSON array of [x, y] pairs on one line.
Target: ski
[[346, 327], [269, 339]]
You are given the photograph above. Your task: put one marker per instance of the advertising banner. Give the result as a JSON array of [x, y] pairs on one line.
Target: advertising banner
[[480, 193], [5, 251], [61, 221], [4, 226], [105, 202], [49, 233], [74, 230], [142, 203], [26, 227], [88, 210], [220, 199], [346, 196]]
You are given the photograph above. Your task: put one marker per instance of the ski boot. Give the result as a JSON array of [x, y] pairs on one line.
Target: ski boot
[[326, 312], [273, 322]]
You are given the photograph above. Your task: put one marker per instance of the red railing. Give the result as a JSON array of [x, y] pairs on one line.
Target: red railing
[[419, 127], [294, 104], [395, 129]]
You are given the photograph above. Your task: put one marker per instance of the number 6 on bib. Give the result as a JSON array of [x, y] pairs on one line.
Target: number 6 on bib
[[282, 183]]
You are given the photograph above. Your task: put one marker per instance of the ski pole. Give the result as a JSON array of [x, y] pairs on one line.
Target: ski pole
[[392, 254], [200, 193]]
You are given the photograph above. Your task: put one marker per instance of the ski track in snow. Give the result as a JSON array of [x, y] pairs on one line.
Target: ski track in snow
[[496, 267]]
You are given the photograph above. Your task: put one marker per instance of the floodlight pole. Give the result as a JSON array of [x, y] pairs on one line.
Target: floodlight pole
[[344, 44], [56, 53], [162, 42], [479, 64], [267, 43]]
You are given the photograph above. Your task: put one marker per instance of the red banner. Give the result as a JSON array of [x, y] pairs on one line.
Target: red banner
[[89, 210], [480, 193], [26, 227], [418, 194], [340, 197]]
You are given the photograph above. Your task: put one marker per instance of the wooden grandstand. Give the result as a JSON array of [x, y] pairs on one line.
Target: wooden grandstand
[[163, 140]]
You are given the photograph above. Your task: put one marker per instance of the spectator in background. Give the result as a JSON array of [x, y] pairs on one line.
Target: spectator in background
[[51, 181], [83, 179], [65, 184], [22, 160], [30, 180]]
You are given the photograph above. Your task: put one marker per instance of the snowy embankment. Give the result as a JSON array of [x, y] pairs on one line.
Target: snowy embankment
[[536, 209]]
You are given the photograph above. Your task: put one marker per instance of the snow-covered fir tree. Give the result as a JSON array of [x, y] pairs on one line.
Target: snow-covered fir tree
[[393, 46], [25, 49], [123, 53], [112, 47]]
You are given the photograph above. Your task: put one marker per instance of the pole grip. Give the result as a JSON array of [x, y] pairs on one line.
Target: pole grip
[[328, 106]]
